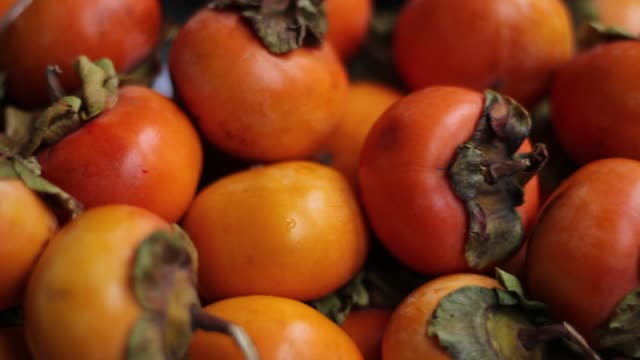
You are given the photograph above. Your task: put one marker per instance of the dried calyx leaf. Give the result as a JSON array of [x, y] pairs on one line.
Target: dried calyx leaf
[[339, 304], [622, 333], [593, 34], [164, 283], [489, 177], [475, 322], [281, 25]]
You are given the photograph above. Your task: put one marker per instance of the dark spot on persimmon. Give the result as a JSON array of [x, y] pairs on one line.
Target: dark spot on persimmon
[[389, 135]]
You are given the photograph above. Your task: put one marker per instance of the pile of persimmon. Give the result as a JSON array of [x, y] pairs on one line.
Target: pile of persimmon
[[319, 179]]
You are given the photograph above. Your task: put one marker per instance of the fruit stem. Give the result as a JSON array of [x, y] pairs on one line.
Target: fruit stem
[[56, 92], [207, 322], [533, 337]]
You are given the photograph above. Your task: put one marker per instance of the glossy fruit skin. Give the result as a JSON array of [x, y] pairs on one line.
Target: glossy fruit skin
[[281, 328], [56, 32], [270, 230], [5, 5], [144, 152], [406, 337], [26, 224], [422, 221], [366, 327], [79, 301], [367, 101], [249, 102], [512, 46], [348, 23], [622, 13], [593, 103], [13, 345], [585, 244]]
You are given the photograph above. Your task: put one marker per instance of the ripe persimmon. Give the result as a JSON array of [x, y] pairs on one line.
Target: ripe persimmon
[[511, 46], [367, 101], [594, 103], [417, 166], [583, 257], [291, 229], [281, 328], [249, 101], [366, 327], [5, 5], [56, 32], [348, 22], [26, 224]]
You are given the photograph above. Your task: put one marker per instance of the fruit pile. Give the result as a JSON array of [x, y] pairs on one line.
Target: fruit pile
[[320, 179]]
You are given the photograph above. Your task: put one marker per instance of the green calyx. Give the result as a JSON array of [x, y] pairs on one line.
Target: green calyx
[[281, 25], [489, 177], [622, 333], [164, 283], [475, 322]]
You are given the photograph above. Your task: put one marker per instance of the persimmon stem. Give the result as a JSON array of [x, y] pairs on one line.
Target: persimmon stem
[[56, 92], [533, 337], [207, 322]]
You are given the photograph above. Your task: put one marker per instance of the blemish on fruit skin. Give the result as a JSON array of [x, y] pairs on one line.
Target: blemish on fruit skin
[[145, 171]]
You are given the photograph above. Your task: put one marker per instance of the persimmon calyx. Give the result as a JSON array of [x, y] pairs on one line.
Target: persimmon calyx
[[622, 332], [164, 284], [281, 25], [337, 305], [489, 177], [475, 322]]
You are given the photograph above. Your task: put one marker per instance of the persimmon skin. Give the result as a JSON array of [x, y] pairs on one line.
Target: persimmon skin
[[367, 101], [405, 337], [404, 183], [348, 22], [26, 224], [79, 302], [366, 327], [249, 102], [281, 328], [585, 244], [512, 46], [13, 345], [5, 5], [56, 32], [291, 229], [621, 13], [593, 103], [144, 152]]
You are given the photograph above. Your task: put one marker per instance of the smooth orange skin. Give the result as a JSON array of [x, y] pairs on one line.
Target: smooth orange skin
[[79, 302], [26, 224], [621, 13], [291, 229], [367, 101], [513, 44], [13, 345], [5, 5], [281, 328], [406, 336], [348, 22], [583, 257], [56, 32], [403, 178], [594, 103], [366, 327], [144, 152], [249, 102]]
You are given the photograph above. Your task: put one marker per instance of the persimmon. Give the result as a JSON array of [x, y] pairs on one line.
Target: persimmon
[[126, 145], [583, 256], [367, 101], [348, 22], [5, 5], [13, 345], [420, 164], [26, 224], [511, 46], [291, 229], [593, 104], [253, 101], [56, 32], [622, 13], [366, 327], [282, 329], [116, 281]]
